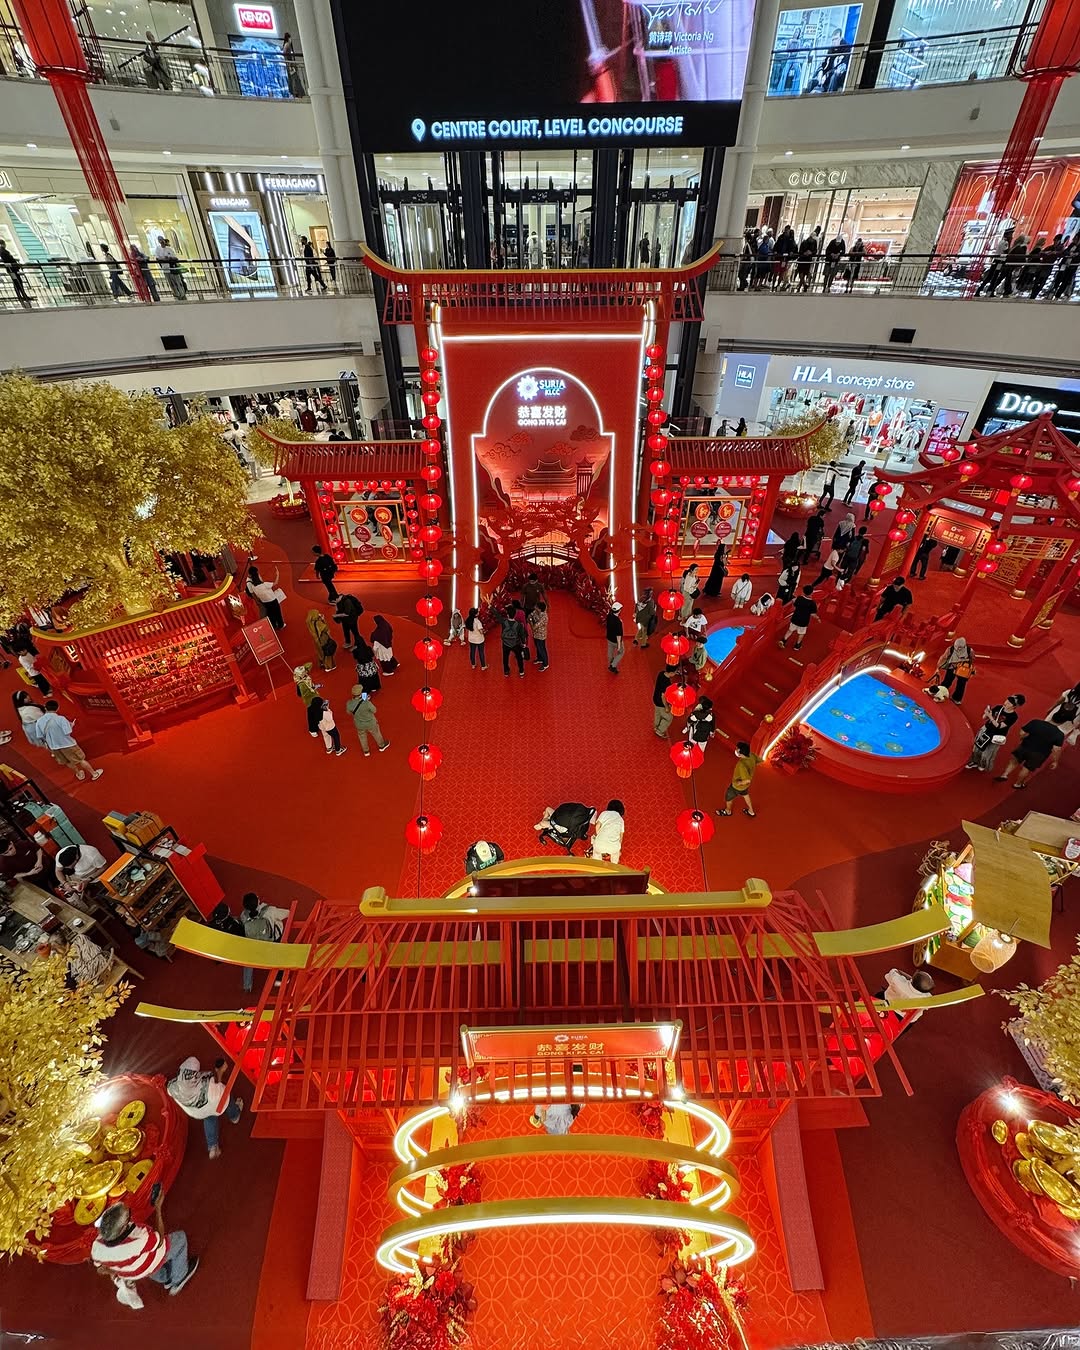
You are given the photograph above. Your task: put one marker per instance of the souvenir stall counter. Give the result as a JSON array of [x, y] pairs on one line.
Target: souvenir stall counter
[[996, 893], [154, 668], [30, 916], [158, 879]]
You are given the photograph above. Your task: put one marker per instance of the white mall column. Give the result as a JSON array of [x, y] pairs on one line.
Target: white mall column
[[323, 78], [739, 158]]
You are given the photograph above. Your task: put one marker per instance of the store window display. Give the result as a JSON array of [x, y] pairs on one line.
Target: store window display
[[881, 217], [889, 428], [812, 50]]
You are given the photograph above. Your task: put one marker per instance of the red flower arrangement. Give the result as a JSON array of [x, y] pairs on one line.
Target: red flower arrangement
[[429, 1309], [458, 1185], [650, 1114], [794, 751], [661, 1181], [701, 1308], [289, 506]]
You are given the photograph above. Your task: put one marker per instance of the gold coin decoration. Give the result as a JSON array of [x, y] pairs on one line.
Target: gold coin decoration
[[1053, 1184], [137, 1173], [1000, 1131], [130, 1115], [1022, 1172], [99, 1179], [88, 1211], [86, 1131], [1024, 1145], [1052, 1137], [124, 1142]]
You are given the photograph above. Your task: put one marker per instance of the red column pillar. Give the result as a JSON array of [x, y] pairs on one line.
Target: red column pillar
[[1053, 580], [1026, 577], [768, 509]]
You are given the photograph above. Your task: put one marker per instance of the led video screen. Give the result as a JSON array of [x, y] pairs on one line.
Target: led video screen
[[548, 72]]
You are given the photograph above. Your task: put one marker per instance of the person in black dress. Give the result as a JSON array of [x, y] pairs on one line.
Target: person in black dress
[[714, 585]]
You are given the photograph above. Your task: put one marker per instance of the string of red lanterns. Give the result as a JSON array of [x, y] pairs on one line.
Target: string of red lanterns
[[425, 830]]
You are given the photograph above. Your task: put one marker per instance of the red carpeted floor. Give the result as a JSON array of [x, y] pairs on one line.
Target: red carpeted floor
[[281, 818]]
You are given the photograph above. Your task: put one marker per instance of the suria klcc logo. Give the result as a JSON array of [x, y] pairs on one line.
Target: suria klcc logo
[[527, 387]]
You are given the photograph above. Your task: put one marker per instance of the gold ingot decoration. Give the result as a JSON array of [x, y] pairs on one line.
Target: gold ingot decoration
[[137, 1173], [1000, 1131], [86, 1132], [1022, 1172], [1052, 1137], [122, 1143], [99, 1179], [88, 1211], [130, 1115], [1025, 1146], [1053, 1184]]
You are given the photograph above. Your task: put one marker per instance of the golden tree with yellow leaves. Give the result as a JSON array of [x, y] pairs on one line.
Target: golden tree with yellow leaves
[[827, 442], [1050, 1021], [94, 487], [50, 1068]]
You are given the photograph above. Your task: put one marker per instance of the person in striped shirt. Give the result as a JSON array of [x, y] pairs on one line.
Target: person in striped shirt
[[127, 1251]]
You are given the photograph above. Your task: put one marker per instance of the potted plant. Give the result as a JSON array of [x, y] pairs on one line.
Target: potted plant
[[794, 751]]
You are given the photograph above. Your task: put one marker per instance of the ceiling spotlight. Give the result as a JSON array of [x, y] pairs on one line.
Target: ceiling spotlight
[[31, 145], [788, 154], [905, 147], [166, 152]]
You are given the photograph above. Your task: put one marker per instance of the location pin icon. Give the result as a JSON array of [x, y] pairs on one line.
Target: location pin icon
[[418, 128]]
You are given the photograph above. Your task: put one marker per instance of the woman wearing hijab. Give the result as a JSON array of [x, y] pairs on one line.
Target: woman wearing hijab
[[958, 663], [367, 671], [325, 644], [382, 645], [844, 532], [201, 1094], [717, 573]]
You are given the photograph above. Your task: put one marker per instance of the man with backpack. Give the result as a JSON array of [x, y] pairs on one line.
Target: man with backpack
[[513, 640], [263, 923], [326, 570]]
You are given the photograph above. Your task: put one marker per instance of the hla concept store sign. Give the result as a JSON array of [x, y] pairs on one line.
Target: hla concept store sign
[[824, 376]]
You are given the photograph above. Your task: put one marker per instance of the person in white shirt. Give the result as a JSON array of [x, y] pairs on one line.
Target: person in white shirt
[[900, 987], [742, 591], [558, 1119], [268, 594], [165, 254], [55, 733], [202, 1095], [608, 828], [29, 663], [76, 865]]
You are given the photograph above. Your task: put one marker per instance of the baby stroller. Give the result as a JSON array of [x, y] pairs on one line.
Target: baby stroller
[[565, 825]]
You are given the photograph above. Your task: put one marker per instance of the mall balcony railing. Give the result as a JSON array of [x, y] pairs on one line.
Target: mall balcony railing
[[63, 283], [899, 63], [183, 68], [952, 276]]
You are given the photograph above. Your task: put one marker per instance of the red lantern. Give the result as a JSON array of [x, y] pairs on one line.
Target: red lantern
[[659, 468], [1072, 485], [996, 547], [654, 351], [431, 473], [431, 501], [430, 398], [666, 529], [670, 602], [896, 534], [412, 514], [429, 377], [686, 756], [427, 702], [675, 645], [654, 393], [431, 534], [951, 454], [668, 560], [430, 569], [427, 651], [657, 442], [428, 355], [988, 566], [429, 607], [876, 505], [656, 417], [968, 469], [432, 422], [655, 373], [425, 760], [695, 827], [1021, 481], [680, 698], [660, 498], [417, 554], [424, 832], [904, 516], [432, 447]]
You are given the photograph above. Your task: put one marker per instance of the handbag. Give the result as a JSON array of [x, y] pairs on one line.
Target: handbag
[[964, 670], [330, 647]]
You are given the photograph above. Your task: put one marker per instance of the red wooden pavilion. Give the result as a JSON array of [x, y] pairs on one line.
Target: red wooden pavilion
[[1010, 502]]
